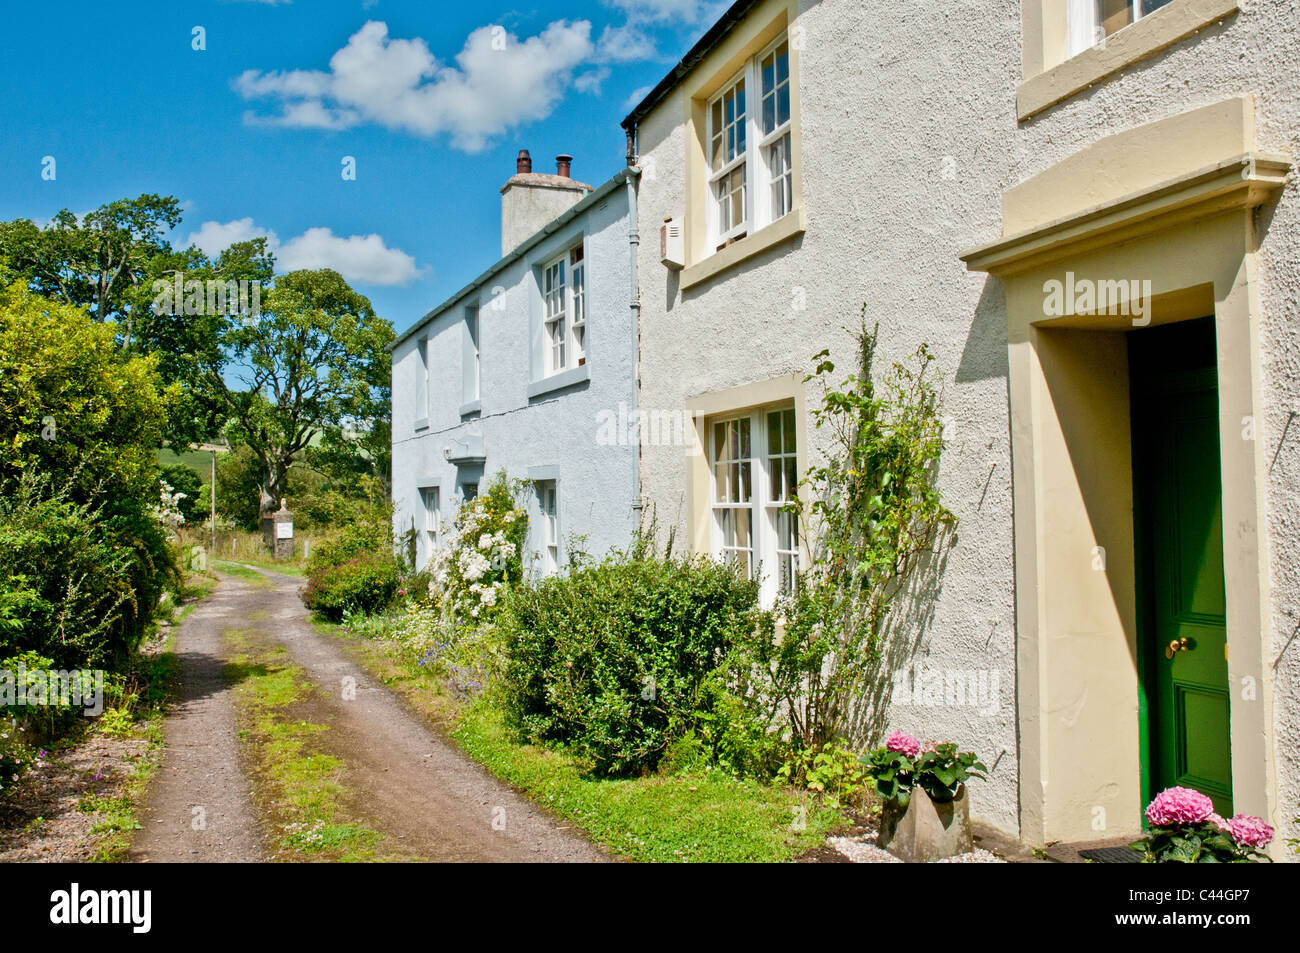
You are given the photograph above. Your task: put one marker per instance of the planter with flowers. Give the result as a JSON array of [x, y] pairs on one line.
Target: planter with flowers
[[925, 814], [1185, 830]]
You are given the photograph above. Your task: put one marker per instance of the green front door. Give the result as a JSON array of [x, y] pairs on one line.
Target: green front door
[[1179, 530]]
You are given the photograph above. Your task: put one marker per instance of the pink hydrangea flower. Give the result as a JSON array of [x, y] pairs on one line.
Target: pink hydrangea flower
[[1179, 806], [903, 744], [1250, 831], [1218, 822]]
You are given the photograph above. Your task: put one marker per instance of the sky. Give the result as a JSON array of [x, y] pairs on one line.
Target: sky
[[247, 110]]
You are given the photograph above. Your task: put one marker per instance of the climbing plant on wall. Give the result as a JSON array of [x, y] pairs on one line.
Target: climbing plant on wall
[[877, 526]]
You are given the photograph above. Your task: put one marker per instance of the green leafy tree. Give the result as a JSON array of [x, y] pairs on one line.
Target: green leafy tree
[[315, 362], [117, 262], [69, 402], [186, 480]]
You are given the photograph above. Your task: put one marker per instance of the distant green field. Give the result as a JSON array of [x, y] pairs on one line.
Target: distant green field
[[197, 460]]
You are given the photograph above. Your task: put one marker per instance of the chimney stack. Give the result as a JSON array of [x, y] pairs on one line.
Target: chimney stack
[[532, 200]]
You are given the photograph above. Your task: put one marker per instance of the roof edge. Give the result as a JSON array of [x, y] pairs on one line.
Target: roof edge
[[703, 47], [550, 228]]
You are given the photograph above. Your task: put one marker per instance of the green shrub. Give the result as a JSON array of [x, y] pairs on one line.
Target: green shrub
[[77, 585], [366, 583], [620, 658], [354, 568]]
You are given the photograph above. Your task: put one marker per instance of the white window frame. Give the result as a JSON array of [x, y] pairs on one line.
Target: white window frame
[[763, 558], [1084, 22], [431, 501], [472, 331], [756, 163], [578, 303], [422, 383], [564, 310], [548, 508]]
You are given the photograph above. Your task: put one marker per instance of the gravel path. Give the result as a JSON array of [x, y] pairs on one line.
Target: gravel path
[[863, 850], [430, 799], [199, 807], [419, 789]]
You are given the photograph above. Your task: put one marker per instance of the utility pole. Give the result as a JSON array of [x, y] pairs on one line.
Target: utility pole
[[214, 449]]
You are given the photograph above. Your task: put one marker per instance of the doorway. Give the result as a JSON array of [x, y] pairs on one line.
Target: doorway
[[1178, 530]]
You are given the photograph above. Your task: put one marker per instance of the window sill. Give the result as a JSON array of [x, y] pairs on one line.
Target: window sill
[[575, 375], [1123, 48], [473, 407], [421, 424], [783, 229]]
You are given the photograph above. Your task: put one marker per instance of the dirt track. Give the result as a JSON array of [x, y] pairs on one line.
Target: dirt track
[[416, 788]]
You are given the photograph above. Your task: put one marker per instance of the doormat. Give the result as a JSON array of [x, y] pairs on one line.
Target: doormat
[[1111, 855]]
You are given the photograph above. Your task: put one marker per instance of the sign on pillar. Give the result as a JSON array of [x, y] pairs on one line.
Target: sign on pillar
[[282, 521]]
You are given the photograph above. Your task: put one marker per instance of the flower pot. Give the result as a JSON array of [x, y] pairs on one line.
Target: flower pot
[[926, 830]]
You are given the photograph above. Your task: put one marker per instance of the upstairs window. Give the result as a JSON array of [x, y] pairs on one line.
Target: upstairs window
[[578, 279], [422, 383], [472, 355], [774, 68], [748, 145], [564, 311]]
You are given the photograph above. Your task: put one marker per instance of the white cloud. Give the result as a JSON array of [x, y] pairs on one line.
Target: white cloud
[[212, 238], [364, 259], [648, 11], [361, 259], [590, 81], [624, 44], [635, 97], [496, 83]]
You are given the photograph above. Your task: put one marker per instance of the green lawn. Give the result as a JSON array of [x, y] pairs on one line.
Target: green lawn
[[704, 817]]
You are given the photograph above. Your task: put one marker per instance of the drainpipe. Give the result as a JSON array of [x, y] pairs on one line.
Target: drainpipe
[[634, 242]]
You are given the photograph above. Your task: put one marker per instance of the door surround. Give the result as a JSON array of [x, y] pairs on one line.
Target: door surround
[[1171, 203]]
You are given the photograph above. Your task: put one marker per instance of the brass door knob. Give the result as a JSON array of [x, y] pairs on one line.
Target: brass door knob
[[1177, 645]]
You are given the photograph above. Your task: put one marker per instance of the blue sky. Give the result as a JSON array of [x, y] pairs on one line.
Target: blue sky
[[432, 99]]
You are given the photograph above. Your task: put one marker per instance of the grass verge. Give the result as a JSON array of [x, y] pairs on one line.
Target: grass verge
[[703, 816], [297, 784], [135, 710], [243, 571]]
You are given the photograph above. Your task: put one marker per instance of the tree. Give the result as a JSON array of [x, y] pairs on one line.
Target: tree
[[114, 262], [186, 481], [71, 405], [95, 261], [316, 361], [83, 557]]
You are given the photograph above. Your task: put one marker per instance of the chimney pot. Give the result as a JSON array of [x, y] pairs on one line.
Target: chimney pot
[[523, 163], [563, 165]]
